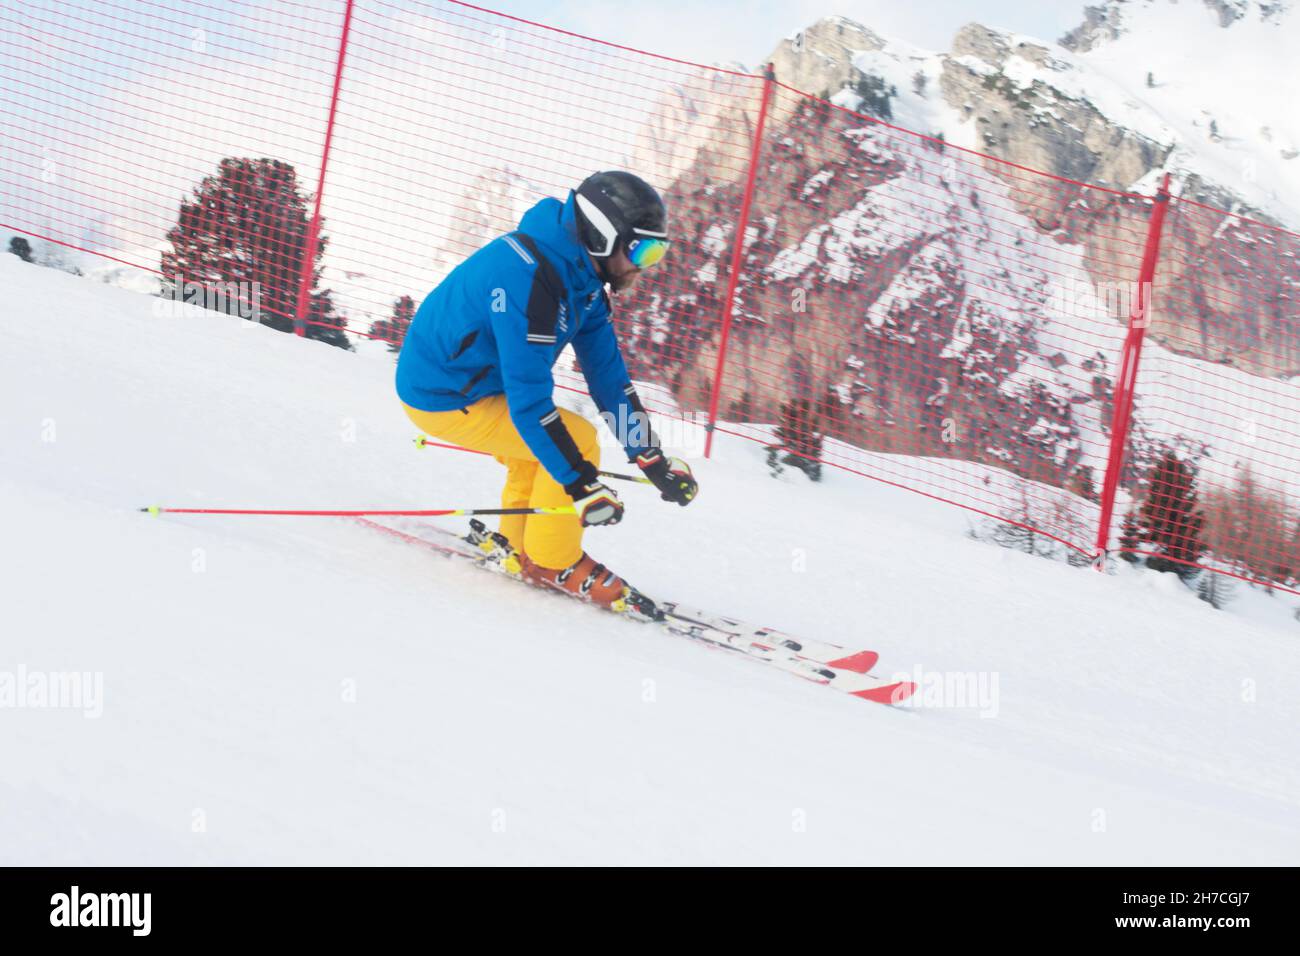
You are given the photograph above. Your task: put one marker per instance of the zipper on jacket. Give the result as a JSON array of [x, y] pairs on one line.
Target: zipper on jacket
[[465, 343], [477, 377]]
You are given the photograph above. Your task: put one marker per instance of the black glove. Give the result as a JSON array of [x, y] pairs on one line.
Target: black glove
[[671, 476], [594, 502]]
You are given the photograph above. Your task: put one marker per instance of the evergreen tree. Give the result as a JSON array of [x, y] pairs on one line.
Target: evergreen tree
[[1080, 482], [21, 248], [1169, 521], [324, 324], [800, 436], [742, 409], [829, 415], [53, 255], [1215, 589], [393, 330], [1128, 538], [1252, 525], [1293, 554], [249, 224]]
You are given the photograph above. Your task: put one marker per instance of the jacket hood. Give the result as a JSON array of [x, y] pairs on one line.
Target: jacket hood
[[554, 224]]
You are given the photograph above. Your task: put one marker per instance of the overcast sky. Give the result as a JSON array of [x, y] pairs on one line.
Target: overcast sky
[[748, 30]]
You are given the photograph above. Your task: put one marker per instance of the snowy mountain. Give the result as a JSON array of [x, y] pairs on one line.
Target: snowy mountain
[[949, 288], [1220, 76], [495, 196], [897, 286], [1126, 99], [1126, 94], [294, 690]]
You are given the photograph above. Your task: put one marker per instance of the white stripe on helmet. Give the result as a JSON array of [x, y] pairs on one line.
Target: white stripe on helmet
[[602, 224]]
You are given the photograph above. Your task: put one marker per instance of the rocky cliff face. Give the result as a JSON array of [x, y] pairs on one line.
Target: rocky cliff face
[[1030, 107], [691, 126], [876, 280], [906, 291], [495, 200], [1021, 116]]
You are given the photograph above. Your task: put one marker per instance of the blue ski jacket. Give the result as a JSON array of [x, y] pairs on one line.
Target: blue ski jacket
[[496, 325]]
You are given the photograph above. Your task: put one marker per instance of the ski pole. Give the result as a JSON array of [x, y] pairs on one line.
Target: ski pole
[[422, 442], [421, 513], [613, 474]]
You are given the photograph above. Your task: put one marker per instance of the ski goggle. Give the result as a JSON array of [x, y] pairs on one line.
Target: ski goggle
[[646, 251], [643, 250]]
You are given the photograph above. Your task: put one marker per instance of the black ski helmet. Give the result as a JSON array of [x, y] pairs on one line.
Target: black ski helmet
[[615, 207]]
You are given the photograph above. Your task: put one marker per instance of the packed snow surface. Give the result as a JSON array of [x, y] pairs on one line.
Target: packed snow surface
[[305, 690]]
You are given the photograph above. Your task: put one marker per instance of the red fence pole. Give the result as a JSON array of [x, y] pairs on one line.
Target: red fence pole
[[313, 228], [737, 251], [1139, 319]]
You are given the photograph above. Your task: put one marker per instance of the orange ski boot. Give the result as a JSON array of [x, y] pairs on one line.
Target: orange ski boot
[[588, 580]]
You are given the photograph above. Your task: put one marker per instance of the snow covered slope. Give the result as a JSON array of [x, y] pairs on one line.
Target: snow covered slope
[[304, 690]]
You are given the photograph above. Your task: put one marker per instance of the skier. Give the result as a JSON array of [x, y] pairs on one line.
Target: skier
[[475, 371]]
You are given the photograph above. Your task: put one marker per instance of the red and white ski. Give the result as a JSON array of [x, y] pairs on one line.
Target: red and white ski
[[819, 661]]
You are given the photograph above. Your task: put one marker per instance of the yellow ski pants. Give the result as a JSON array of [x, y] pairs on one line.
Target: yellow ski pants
[[553, 541]]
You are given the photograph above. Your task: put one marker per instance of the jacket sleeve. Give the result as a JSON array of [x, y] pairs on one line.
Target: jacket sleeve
[[611, 387], [524, 325]]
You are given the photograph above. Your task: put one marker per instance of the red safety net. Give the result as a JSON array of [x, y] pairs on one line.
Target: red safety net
[[909, 311], [115, 112], [1213, 460], [841, 292]]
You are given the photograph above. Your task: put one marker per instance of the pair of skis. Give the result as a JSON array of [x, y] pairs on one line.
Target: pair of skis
[[818, 661]]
